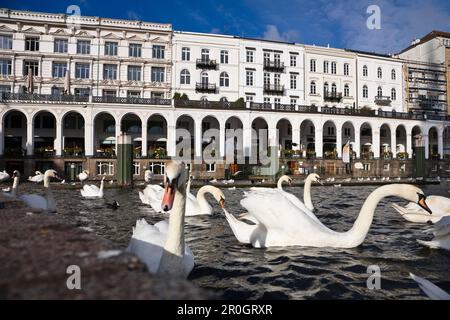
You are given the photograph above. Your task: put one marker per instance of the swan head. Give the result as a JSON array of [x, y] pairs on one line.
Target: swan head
[[38, 173], [216, 193], [175, 179], [410, 193], [314, 177], [16, 173], [50, 173]]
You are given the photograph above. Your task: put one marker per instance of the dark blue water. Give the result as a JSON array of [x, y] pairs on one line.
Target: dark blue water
[[238, 271]]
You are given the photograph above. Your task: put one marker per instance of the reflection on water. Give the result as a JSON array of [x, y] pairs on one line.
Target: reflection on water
[[242, 272]]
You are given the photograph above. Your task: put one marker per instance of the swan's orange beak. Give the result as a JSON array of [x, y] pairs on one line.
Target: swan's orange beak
[[422, 203], [168, 197], [222, 203]]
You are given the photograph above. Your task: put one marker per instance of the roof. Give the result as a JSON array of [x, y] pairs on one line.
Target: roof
[[430, 36]]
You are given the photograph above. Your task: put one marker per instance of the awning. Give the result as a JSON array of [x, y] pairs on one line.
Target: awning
[[109, 140]]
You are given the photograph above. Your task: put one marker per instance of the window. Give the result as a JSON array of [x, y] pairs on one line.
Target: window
[[346, 91], [109, 72], [347, 132], [393, 74], [82, 92], [249, 78], [224, 79], [185, 77], [266, 58], [204, 78], [5, 42], [157, 74], [223, 99], [325, 87], [4, 89], [248, 99], [346, 69], [5, 67], [293, 60], [158, 52], [325, 67], [136, 168], [210, 167], [134, 73], [365, 71], [111, 48], [293, 81], [133, 94], [293, 102], [277, 59], [157, 168], [366, 166], [379, 73], [83, 47], [312, 65], [266, 78], [277, 101], [224, 57], [31, 44], [249, 56], [205, 54], [333, 89], [266, 100], [379, 92], [82, 70], [109, 93], [135, 50], [59, 69], [185, 54], [32, 66], [159, 95], [333, 68], [330, 131], [105, 168], [60, 45], [393, 94], [365, 92], [276, 79], [312, 87]]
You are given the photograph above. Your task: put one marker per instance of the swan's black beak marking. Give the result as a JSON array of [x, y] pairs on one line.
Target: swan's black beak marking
[[422, 203]]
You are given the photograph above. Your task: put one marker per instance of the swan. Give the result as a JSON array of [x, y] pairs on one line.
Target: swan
[[198, 205], [281, 223], [4, 176], [38, 178], [152, 196], [162, 246], [83, 176], [92, 191], [440, 206], [148, 176], [441, 234], [12, 191], [47, 203], [430, 289]]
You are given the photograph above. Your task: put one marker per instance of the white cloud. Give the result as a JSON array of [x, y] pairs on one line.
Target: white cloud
[[132, 15], [272, 33]]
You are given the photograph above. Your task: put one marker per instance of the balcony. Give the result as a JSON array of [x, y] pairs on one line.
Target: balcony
[[332, 96], [274, 66], [205, 87], [218, 105], [131, 100], [274, 89], [206, 64], [382, 100], [43, 98]]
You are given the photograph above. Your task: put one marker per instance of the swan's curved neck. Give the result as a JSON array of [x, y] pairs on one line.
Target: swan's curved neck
[[46, 181], [174, 247], [188, 187], [102, 183], [15, 186], [356, 235], [307, 194], [201, 197]]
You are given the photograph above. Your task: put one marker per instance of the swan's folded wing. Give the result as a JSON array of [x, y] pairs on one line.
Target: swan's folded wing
[[430, 289], [442, 227], [439, 205], [34, 201], [296, 201], [162, 226]]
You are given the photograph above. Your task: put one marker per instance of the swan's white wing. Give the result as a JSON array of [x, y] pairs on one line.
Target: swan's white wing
[[440, 206], [442, 227], [296, 201], [143, 199], [430, 289], [153, 195], [34, 201], [162, 226]]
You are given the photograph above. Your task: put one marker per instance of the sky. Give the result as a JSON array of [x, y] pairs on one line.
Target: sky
[[338, 23]]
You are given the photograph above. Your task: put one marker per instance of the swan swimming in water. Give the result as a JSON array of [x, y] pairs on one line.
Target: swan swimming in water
[[12, 191], [441, 232], [281, 223], [83, 176], [92, 191], [4, 176], [47, 203], [38, 178], [162, 246], [440, 206]]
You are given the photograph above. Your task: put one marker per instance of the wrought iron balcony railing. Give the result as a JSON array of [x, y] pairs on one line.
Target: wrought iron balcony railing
[[383, 100], [276, 66], [131, 100], [275, 89], [206, 87], [332, 96], [206, 64]]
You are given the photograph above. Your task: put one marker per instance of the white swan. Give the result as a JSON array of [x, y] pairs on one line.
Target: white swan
[[4, 176], [92, 191], [148, 175], [12, 191], [152, 195], [162, 246], [430, 289], [441, 232], [47, 203], [281, 223], [198, 205], [83, 176], [38, 178], [440, 206]]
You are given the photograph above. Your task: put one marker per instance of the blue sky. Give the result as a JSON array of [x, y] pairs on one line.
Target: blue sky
[[339, 23]]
